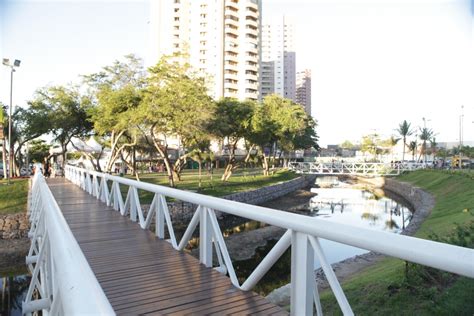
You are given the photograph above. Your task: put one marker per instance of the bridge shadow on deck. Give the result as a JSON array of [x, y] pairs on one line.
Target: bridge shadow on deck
[[141, 274]]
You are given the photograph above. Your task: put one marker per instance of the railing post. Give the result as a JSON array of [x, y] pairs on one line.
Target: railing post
[[205, 238], [302, 274]]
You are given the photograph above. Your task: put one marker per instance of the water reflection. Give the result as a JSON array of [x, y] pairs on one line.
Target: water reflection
[[361, 208], [14, 290]]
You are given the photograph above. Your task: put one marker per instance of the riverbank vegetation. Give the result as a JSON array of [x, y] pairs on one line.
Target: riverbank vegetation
[[388, 289], [210, 183], [13, 197]]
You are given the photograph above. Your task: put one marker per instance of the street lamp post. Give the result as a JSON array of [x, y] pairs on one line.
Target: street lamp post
[[12, 66]]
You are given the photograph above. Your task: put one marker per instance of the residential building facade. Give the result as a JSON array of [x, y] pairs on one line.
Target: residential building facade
[[220, 38], [278, 59], [303, 89]]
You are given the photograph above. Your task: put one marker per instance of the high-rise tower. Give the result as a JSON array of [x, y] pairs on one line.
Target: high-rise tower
[[278, 59], [220, 37], [303, 89]]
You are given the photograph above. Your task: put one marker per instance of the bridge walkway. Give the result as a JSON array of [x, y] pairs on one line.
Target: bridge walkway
[[141, 274]]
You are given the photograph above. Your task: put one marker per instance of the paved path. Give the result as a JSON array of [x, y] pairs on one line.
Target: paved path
[[141, 274]]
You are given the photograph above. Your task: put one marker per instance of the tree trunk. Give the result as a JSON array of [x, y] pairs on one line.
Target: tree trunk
[[134, 162], [230, 164], [4, 158], [404, 146], [247, 157], [200, 173], [265, 165], [179, 166], [63, 155]]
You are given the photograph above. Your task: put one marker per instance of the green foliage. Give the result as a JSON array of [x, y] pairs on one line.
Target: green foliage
[[116, 93], [347, 145], [232, 119], [13, 197], [38, 150], [64, 110]]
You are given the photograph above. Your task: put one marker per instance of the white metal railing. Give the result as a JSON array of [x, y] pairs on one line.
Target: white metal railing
[[303, 235], [62, 282], [354, 168]]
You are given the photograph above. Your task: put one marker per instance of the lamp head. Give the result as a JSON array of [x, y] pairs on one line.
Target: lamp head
[[16, 63], [6, 61]]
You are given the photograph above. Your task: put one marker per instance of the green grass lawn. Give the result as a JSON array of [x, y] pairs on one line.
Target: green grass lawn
[[382, 289], [242, 180], [13, 197]]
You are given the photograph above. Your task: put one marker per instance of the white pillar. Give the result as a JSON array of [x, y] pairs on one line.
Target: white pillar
[[302, 275]]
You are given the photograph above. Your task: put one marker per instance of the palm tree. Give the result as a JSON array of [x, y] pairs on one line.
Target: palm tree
[[425, 136], [413, 145], [404, 131]]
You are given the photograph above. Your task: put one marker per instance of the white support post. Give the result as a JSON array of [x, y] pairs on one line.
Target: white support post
[[205, 238], [331, 277], [302, 274], [160, 218]]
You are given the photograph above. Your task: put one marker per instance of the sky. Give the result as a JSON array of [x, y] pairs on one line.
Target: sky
[[374, 63]]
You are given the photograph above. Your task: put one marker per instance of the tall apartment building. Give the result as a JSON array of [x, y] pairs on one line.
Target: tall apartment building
[[278, 59], [220, 37], [303, 89]]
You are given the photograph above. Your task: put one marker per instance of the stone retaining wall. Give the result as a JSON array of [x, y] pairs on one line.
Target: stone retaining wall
[[421, 202], [14, 226], [183, 211]]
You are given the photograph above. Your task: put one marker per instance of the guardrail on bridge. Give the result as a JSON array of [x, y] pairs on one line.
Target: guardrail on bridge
[[354, 168], [62, 281], [303, 235]]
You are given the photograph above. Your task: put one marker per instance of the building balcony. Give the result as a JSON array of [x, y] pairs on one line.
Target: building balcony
[[231, 86], [229, 47], [232, 5], [231, 30], [231, 76], [231, 19], [230, 93], [251, 76], [252, 21], [231, 57], [234, 67], [251, 95]]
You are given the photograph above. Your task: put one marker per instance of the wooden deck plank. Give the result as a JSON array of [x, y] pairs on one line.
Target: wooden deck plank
[[142, 274]]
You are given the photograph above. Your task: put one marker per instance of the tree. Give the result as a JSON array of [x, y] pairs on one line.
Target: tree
[[370, 143], [279, 121], [38, 151], [413, 147], [175, 104], [232, 123], [116, 92], [65, 110], [426, 135], [347, 145], [29, 124], [404, 131]]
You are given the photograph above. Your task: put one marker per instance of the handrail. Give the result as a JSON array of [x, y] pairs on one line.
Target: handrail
[[303, 233], [355, 168], [60, 272]]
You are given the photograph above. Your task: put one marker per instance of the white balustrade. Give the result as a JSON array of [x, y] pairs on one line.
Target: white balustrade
[[354, 168], [62, 281], [303, 235]]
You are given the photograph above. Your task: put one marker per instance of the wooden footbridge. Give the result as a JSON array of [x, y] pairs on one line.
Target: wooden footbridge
[[92, 252]]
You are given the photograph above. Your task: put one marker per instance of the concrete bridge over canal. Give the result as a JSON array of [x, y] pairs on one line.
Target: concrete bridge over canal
[[92, 252]]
